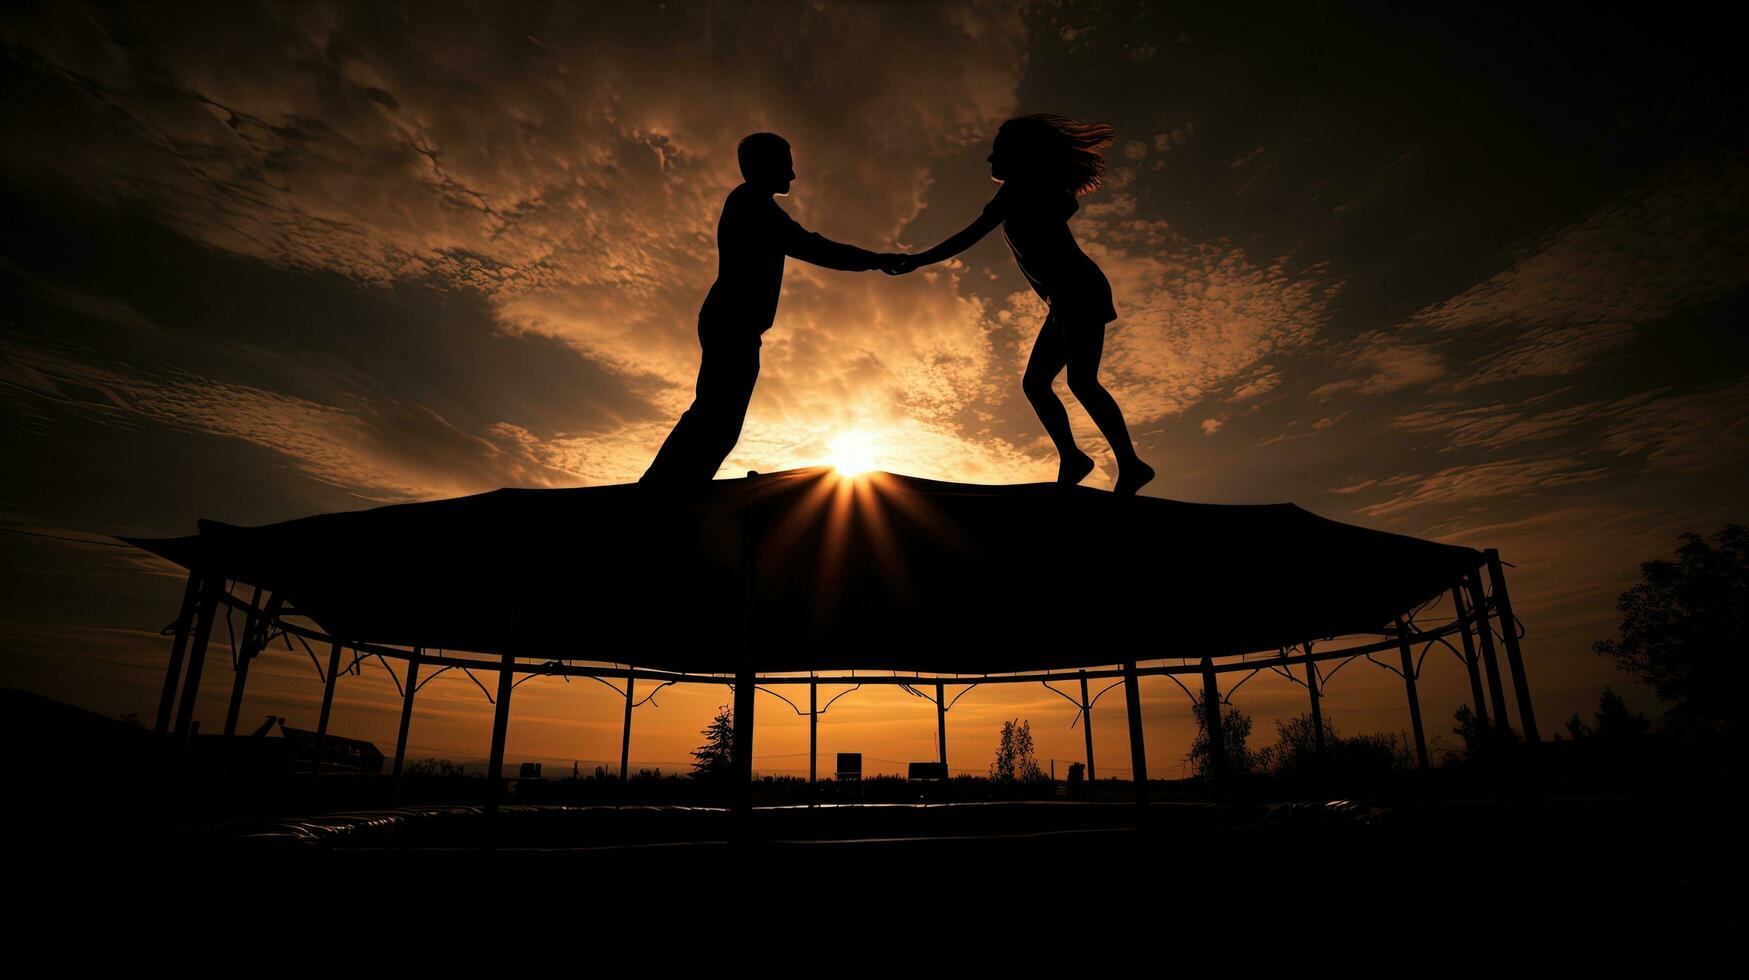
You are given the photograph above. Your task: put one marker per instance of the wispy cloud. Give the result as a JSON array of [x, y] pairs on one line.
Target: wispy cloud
[[1498, 425], [380, 449], [1267, 380], [1678, 240], [1387, 364], [1546, 352], [1575, 294], [1517, 479], [1194, 316], [1689, 431]]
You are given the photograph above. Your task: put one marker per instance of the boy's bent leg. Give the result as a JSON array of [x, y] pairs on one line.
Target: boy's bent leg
[[707, 432]]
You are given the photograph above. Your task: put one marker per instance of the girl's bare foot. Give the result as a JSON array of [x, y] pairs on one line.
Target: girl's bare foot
[[1073, 469], [1133, 476]]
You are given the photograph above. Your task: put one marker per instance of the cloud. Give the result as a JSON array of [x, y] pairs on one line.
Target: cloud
[[1518, 479], [1571, 562], [1288, 435], [1174, 138], [563, 167], [381, 449], [92, 554], [1245, 158], [1392, 365], [1547, 352], [1676, 241], [1265, 382], [1575, 294], [1194, 315], [1500, 425], [1654, 431], [1687, 431], [531, 149]]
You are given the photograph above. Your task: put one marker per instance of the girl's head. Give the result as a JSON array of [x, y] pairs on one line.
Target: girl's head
[[1056, 149]]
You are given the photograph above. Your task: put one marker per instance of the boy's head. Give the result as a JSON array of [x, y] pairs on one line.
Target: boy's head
[[765, 162]]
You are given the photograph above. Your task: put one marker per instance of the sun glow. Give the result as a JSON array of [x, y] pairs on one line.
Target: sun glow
[[852, 453]]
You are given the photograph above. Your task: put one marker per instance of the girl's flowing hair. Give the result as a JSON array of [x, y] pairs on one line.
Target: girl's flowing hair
[[1061, 149]]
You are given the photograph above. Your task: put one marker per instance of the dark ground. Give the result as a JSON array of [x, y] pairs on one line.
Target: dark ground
[[1580, 873]]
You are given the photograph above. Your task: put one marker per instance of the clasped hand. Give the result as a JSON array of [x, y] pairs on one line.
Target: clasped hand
[[897, 263]]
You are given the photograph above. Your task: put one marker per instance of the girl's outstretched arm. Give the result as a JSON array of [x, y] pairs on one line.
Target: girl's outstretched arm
[[993, 214], [960, 240]]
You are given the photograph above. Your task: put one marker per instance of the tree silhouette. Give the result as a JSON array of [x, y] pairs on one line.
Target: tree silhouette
[[1614, 720], [1235, 737], [1684, 629], [1015, 761], [1469, 728], [714, 760]]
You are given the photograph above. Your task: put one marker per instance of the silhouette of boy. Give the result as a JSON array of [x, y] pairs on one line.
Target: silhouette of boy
[[753, 237]]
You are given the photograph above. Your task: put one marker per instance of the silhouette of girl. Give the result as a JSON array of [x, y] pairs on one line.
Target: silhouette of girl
[[1044, 163]]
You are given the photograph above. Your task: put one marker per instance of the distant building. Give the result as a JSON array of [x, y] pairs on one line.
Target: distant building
[[339, 753], [928, 770], [849, 766], [277, 749]]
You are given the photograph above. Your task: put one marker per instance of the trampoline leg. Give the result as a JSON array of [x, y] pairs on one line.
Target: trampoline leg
[[412, 688], [245, 653], [1515, 662], [1211, 708], [255, 632], [1317, 707], [206, 612], [243, 657], [327, 709], [1087, 733], [1496, 694], [1138, 753], [813, 732], [1414, 698], [1477, 698], [500, 726], [743, 768], [173, 673], [625, 739], [941, 724]]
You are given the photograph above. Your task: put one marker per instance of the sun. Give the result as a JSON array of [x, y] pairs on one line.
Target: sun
[[852, 453]]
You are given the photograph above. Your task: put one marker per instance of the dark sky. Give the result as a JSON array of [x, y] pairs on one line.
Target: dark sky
[[1467, 273]]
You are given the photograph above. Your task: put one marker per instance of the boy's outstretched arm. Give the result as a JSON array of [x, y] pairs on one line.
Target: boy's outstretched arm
[[800, 243]]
